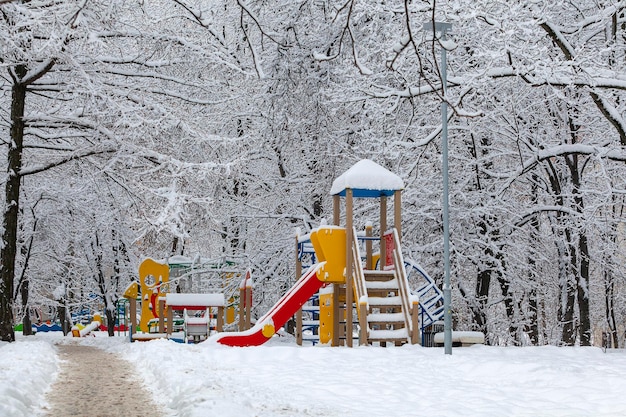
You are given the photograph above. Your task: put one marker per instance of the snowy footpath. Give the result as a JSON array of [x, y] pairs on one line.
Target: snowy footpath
[[281, 379], [95, 383]]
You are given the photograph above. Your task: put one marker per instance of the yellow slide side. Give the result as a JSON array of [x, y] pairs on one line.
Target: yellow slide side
[[329, 243]]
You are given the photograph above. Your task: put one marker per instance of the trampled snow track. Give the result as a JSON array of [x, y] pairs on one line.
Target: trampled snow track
[[95, 383]]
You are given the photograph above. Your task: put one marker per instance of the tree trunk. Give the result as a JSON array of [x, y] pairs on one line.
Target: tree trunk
[[110, 321], [583, 292], [582, 267], [11, 212], [532, 326], [27, 325], [483, 281], [509, 306], [568, 336], [609, 300], [66, 323], [567, 287]]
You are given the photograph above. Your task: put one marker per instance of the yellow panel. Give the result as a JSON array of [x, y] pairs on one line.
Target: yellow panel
[[375, 258], [326, 317], [154, 278], [329, 243], [317, 246], [230, 311]]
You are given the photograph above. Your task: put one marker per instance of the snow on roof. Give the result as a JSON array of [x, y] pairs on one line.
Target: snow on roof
[[194, 300], [367, 179]]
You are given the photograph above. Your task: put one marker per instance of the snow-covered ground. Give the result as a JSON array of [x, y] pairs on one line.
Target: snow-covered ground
[[281, 379]]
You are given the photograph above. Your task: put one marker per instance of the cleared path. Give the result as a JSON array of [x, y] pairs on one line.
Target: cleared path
[[95, 383]]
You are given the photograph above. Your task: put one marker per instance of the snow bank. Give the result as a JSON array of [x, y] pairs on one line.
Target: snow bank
[[27, 369], [282, 379], [279, 379]]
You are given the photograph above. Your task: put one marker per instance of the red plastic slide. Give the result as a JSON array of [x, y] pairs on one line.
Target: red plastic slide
[[285, 308]]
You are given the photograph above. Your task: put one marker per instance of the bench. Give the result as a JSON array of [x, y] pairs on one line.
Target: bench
[[461, 339]]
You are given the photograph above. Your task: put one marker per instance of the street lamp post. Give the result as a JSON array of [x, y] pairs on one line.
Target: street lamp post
[[443, 28]]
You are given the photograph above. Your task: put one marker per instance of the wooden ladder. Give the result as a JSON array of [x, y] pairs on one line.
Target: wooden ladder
[[385, 316]]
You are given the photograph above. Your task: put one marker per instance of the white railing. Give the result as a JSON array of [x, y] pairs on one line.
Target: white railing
[[360, 289], [409, 302]]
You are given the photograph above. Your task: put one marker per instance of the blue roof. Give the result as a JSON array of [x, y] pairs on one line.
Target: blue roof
[[367, 179], [363, 192]]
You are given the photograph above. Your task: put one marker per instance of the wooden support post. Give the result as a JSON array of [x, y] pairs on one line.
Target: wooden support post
[[242, 307], [363, 323], [383, 229], [397, 210], [368, 247], [299, 327], [170, 320], [415, 319], [336, 314], [162, 316], [299, 312], [220, 319], [336, 287], [133, 317], [248, 306], [349, 283]]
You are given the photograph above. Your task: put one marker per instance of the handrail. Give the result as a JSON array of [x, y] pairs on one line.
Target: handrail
[[361, 290], [403, 284]]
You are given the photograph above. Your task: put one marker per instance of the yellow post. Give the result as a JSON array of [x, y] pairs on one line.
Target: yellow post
[[327, 319]]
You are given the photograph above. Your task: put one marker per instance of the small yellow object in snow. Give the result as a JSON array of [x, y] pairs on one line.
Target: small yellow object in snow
[[75, 331], [268, 330]]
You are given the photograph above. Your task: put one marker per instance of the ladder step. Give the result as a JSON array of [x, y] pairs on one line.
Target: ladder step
[[394, 301], [377, 275], [391, 284], [381, 293], [388, 335], [385, 318]]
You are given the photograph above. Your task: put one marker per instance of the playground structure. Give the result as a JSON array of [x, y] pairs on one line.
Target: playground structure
[[375, 284], [79, 330], [347, 277], [358, 281], [198, 314]]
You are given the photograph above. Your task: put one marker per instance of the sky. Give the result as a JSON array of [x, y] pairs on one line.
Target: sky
[[283, 379]]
